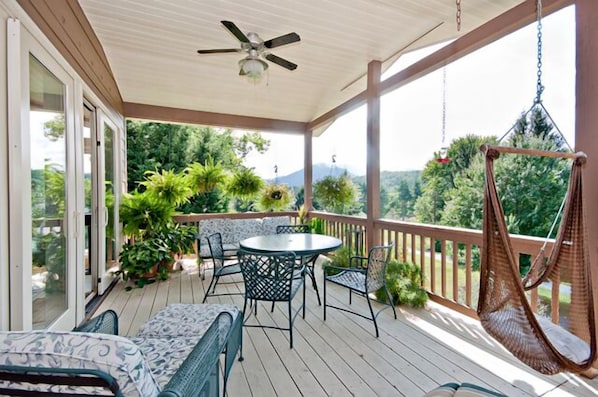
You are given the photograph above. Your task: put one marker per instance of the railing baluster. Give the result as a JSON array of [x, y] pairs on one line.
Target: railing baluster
[[409, 239]]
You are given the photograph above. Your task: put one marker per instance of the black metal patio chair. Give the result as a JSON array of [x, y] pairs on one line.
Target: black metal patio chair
[[309, 262], [270, 277], [222, 266], [363, 279]]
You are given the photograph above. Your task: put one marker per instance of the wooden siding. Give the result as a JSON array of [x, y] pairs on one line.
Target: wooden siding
[[420, 350], [67, 27]]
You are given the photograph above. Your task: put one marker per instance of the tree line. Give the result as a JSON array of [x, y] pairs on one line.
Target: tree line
[[451, 194]]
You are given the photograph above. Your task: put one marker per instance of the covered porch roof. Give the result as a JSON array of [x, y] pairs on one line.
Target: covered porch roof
[[142, 56]]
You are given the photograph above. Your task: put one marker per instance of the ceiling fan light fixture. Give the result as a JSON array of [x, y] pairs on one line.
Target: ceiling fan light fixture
[[252, 67]]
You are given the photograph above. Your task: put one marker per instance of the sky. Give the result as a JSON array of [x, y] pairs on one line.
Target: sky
[[485, 93]]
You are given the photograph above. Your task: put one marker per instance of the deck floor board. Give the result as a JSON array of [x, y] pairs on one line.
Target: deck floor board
[[341, 356]]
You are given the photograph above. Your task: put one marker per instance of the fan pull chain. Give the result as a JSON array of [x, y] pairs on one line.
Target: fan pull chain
[[458, 2]]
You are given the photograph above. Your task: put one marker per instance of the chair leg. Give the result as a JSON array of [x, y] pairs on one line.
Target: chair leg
[[324, 296], [245, 310], [212, 287], [391, 303], [372, 313], [303, 299], [290, 324], [312, 275]]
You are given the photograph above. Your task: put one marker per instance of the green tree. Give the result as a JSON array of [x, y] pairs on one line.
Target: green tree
[[223, 147], [160, 146], [531, 188], [154, 147], [438, 179]]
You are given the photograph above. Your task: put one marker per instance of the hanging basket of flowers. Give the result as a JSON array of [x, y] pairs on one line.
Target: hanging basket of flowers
[[275, 197], [245, 184], [335, 194]]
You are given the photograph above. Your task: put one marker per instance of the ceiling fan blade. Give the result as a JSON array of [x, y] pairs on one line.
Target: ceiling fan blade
[[218, 51], [235, 31], [281, 61], [282, 40]]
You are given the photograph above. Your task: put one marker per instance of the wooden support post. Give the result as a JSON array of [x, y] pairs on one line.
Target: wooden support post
[[373, 152]]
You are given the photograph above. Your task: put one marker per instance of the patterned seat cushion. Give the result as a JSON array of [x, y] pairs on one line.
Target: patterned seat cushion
[[111, 354], [188, 320], [165, 355], [269, 223], [245, 228], [209, 226]]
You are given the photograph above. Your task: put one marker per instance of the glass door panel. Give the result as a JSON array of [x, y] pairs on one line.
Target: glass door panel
[[109, 186], [48, 194], [89, 182]]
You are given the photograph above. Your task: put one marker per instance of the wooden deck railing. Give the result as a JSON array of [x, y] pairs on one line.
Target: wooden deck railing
[[449, 257]]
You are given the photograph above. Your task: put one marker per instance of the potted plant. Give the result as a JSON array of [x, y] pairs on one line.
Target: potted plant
[[244, 184], [204, 178], [275, 197], [153, 237], [141, 260], [335, 194]]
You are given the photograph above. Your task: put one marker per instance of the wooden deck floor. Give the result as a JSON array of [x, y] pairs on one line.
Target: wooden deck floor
[[341, 357]]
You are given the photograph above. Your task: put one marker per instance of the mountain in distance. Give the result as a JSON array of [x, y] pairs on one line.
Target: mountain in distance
[[320, 171]]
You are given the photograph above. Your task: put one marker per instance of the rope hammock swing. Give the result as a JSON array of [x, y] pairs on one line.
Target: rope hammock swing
[[503, 307]]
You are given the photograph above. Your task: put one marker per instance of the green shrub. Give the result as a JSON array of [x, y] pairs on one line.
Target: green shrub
[[340, 258], [404, 282]]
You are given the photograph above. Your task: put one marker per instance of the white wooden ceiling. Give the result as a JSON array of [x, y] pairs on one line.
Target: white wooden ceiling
[[152, 45]]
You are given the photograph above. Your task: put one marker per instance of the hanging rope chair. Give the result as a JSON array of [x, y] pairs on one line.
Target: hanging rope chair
[[503, 307]]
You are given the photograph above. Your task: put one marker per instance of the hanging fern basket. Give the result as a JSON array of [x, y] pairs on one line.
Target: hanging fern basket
[[245, 184], [275, 197]]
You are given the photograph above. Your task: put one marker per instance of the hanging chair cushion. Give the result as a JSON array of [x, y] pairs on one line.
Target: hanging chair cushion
[[568, 344]]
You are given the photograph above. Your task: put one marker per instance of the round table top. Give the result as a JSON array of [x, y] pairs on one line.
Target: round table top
[[300, 243]]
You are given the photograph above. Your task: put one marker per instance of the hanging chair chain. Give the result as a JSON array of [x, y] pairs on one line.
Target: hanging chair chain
[[443, 105], [458, 2], [539, 86]]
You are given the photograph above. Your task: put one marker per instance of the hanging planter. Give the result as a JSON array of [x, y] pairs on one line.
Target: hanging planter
[[335, 194], [244, 184], [275, 197], [205, 178]]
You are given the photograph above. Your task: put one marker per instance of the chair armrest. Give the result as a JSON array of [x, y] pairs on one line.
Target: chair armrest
[[198, 374], [103, 323], [52, 377], [360, 259], [325, 268]]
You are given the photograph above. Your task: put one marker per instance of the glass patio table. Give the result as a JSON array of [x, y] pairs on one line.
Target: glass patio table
[[305, 245]]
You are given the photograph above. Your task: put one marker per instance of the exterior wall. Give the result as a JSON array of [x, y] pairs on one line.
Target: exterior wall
[[12, 9], [67, 28], [4, 302]]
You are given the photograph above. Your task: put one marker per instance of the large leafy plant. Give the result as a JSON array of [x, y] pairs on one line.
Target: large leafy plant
[[335, 194], [207, 177], [275, 197], [244, 184], [153, 237], [404, 282]]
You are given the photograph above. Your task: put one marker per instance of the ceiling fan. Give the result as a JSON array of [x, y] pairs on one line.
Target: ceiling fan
[[253, 65]]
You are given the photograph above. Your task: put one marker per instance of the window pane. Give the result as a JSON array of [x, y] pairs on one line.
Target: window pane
[[48, 194]]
